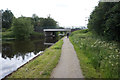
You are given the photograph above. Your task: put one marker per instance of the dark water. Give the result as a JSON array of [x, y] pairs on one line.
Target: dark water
[[16, 53]]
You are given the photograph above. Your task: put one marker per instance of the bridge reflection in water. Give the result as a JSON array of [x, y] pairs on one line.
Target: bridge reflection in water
[[51, 40]]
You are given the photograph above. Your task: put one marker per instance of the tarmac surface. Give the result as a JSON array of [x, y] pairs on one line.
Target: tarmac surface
[[68, 65]]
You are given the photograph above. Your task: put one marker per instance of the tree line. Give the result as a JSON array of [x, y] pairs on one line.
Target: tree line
[[104, 21], [23, 27]]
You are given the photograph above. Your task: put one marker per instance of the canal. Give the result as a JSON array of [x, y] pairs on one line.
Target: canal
[[16, 53]]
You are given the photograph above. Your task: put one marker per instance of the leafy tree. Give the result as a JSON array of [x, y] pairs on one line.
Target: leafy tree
[[22, 28], [49, 23], [104, 21], [112, 24], [97, 18], [43, 23], [35, 19], [7, 18]]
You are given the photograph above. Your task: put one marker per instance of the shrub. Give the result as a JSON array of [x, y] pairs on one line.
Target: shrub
[[22, 28]]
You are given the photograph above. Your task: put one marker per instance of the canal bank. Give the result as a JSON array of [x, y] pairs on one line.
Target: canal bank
[[16, 53], [41, 66]]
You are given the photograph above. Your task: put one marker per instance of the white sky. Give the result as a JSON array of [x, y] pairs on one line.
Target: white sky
[[67, 12]]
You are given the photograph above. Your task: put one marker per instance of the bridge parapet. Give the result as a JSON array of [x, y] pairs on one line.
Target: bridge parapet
[[57, 30], [50, 32]]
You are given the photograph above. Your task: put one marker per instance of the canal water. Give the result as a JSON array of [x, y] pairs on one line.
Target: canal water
[[16, 53]]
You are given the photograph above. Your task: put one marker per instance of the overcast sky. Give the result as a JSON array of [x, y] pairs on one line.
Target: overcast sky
[[66, 12]]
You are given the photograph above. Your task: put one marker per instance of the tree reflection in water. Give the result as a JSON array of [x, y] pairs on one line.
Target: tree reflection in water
[[16, 53], [22, 48]]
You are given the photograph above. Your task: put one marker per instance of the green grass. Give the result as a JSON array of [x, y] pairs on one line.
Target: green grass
[[42, 66], [7, 34], [98, 58]]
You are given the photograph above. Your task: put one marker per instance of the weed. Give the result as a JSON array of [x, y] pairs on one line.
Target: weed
[[103, 55]]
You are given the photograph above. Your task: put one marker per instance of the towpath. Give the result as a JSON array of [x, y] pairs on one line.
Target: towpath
[[68, 66]]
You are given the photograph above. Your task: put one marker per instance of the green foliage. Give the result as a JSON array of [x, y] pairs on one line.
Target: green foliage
[[104, 21], [22, 28], [83, 31], [7, 34], [112, 24], [60, 27], [35, 35], [49, 23], [80, 31], [38, 23], [7, 18], [97, 55], [43, 23], [35, 20], [3, 29]]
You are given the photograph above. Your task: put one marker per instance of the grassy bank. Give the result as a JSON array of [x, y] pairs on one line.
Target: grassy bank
[[98, 58], [42, 66], [8, 35]]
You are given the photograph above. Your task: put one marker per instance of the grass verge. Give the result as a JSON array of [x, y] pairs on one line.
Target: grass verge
[[98, 58], [42, 66], [8, 35]]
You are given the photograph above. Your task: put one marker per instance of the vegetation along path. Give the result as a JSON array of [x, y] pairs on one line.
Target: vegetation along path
[[68, 66]]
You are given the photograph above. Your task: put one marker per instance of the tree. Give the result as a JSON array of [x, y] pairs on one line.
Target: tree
[[97, 18], [49, 23], [43, 23], [105, 21], [35, 19], [112, 24], [22, 28], [7, 18]]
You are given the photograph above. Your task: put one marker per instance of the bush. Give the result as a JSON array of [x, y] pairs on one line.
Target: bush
[[35, 35], [84, 31], [22, 28], [3, 29]]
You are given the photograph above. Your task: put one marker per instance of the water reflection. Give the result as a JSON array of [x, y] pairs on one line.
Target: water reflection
[[48, 41], [16, 53], [21, 48]]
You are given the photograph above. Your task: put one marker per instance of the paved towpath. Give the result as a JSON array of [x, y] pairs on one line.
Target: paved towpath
[[68, 66]]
